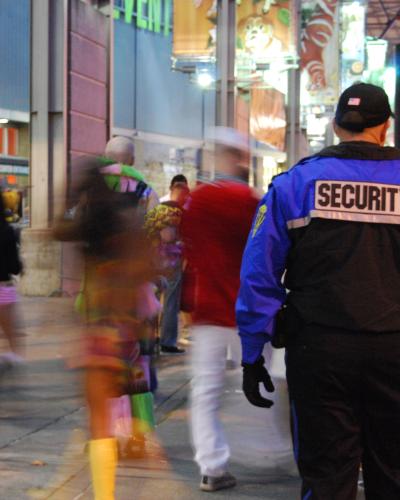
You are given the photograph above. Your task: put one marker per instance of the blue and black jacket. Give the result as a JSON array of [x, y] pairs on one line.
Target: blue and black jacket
[[326, 241]]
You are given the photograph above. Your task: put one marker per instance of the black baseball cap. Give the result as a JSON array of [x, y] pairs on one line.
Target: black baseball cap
[[362, 106]]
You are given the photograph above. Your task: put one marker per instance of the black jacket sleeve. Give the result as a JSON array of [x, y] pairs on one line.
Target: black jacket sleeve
[[11, 253]]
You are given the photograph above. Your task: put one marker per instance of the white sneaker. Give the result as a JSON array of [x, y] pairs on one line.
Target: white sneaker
[[212, 483]]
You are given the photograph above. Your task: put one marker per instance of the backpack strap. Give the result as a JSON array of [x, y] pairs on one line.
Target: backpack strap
[[140, 189]]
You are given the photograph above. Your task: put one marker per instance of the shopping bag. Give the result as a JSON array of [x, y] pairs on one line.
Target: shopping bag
[[120, 417], [143, 412]]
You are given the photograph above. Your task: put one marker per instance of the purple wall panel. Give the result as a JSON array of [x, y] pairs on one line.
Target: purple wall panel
[[88, 22], [87, 79], [88, 96], [87, 58], [88, 135], [87, 103]]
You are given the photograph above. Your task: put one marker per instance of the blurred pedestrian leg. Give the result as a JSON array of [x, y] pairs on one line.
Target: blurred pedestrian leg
[[8, 322], [170, 316], [100, 388], [210, 347], [103, 462]]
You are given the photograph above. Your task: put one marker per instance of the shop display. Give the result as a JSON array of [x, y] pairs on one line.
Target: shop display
[[264, 30], [352, 21], [194, 34], [319, 52], [267, 117]]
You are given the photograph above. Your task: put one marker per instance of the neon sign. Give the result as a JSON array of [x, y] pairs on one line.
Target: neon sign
[[150, 14]]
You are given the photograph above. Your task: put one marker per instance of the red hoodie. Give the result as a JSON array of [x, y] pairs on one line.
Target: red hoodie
[[215, 229]]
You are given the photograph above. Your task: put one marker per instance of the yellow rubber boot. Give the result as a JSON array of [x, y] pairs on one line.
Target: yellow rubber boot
[[103, 462]]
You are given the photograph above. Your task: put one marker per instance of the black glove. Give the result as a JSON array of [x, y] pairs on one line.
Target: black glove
[[253, 375]]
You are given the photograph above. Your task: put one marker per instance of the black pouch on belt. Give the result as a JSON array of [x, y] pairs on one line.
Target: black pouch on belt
[[287, 323]]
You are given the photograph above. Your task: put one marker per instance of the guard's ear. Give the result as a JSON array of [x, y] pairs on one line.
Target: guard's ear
[[335, 127]]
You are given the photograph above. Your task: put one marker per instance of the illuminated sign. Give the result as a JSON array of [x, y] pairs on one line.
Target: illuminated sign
[[14, 169], [150, 15], [376, 51]]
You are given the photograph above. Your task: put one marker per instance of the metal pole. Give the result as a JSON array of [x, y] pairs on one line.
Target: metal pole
[[203, 113], [397, 98], [226, 45], [39, 123], [293, 117]]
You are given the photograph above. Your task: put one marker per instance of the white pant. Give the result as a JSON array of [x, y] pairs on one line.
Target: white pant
[[209, 354]]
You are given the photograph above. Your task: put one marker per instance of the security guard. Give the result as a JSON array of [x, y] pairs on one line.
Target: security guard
[[331, 227]]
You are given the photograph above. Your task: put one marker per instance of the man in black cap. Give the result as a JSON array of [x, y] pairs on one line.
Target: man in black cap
[[331, 227]]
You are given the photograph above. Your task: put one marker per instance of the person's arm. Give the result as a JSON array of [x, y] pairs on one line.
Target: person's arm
[[152, 200], [12, 256], [191, 228], [261, 292]]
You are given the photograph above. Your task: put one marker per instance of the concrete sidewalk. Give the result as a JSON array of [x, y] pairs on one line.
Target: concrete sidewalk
[[43, 428], [169, 471]]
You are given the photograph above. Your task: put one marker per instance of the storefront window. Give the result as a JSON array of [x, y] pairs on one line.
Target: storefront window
[[14, 108]]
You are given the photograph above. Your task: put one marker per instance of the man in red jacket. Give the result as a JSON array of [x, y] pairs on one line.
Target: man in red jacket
[[215, 229]]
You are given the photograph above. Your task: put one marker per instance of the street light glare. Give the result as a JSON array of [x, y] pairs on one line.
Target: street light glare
[[204, 79]]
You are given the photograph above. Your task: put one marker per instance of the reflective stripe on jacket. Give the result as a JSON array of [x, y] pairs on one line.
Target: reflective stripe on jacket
[[331, 225]]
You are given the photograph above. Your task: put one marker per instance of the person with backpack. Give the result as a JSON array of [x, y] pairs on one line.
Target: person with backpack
[[121, 175]]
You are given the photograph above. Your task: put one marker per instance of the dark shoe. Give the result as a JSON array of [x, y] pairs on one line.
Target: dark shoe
[[211, 483], [171, 349], [135, 448]]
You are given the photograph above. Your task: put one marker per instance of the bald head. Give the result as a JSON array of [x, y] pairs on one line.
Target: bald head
[[121, 149]]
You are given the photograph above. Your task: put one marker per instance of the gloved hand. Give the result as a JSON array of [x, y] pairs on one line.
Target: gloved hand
[[253, 375]]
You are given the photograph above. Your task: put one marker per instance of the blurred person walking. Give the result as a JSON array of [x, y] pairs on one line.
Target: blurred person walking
[[215, 229], [10, 265], [117, 269], [121, 176]]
